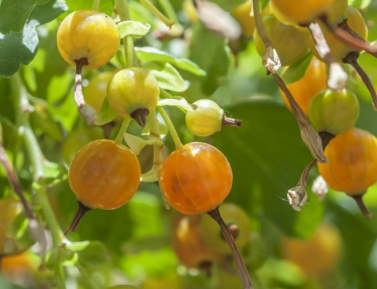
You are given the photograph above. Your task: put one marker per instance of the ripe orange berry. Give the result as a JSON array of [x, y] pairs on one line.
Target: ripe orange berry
[[352, 162], [104, 174], [196, 178], [316, 255], [313, 81]]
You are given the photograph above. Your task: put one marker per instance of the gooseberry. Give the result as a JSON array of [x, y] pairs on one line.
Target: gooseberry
[[104, 175], [189, 245], [88, 35], [352, 164], [196, 178], [334, 111], [242, 15], [207, 118], [238, 223], [133, 92], [303, 90], [283, 38], [299, 12], [96, 91], [316, 255]]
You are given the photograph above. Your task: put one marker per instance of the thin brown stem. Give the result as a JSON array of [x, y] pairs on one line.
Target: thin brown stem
[[351, 58], [228, 121], [81, 211], [242, 270], [86, 111], [361, 205], [348, 36]]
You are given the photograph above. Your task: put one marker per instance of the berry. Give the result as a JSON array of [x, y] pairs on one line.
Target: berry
[[316, 255], [334, 111], [133, 92], [189, 245], [303, 90], [242, 15], [103, 175], [196, 178], [283, 38], [89, 35], [352, 164], [237, 221], [96, 91], [300, 12]]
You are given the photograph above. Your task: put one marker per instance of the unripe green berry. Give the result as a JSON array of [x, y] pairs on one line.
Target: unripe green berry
[[205, 119], [133, 92], [333, 111]]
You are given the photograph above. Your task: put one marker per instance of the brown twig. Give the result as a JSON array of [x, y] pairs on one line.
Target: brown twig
[[351, 58], [86, 111], [242, 270]]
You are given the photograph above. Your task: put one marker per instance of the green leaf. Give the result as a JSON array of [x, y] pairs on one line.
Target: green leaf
[[106, 113], [260, 152], [20, 48], [48, 11], [14, 14], [136, 143], [228, 5], [60, 255], [133, 28], [166, 75], [94, 255], [146, 54], [18, 235], [297, 70]]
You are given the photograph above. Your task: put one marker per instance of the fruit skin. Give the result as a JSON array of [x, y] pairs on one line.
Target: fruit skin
[[231, 214], [131, 89], [96, 91], [88, 34], [352, 162], [339, 49], [205, 119], [104, 175], [243, 17], [297, 12], [189, 245], [9, 209], [283, 38], [303, 90], [316, 255], [77, 139], [196, 178], [334, 111]]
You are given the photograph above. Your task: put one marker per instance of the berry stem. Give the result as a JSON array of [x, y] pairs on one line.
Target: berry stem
[[231, 122], [351, 58], [242, 270], [95, 4], [155, 135], [86, 111], [361, 205], [121, 6], [168, 9], [81, 211], [157, 13], [122, 130], [171, 128], [165, 94]]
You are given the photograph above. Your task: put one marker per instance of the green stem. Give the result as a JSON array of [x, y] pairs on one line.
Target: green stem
[[155, 135], [121, 6], [259, 24], [166, 94], [157, 12], [122, 130], [95, 4], [169, 10], [171, 128]]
